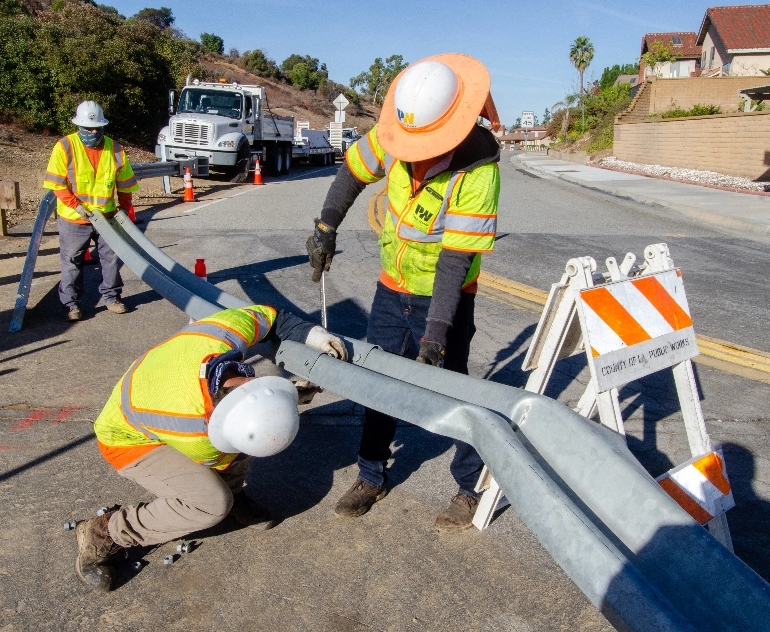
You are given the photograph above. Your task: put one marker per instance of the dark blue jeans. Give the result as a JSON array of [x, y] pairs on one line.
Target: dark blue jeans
[[396, 323]]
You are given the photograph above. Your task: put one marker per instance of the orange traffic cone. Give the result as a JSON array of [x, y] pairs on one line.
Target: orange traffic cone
[[189, 196], [257, 173]]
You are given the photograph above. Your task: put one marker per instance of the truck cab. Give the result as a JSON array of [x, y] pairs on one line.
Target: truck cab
[[229, 124]]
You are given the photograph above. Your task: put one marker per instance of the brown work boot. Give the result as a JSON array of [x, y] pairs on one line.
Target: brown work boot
[[247, 513], [116, 307], [359, 499], [96, 552], [74, 314], [458, 516]]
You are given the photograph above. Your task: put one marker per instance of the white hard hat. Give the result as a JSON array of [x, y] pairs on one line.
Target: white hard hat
[[258, 418], [425, 93], [89, 114]]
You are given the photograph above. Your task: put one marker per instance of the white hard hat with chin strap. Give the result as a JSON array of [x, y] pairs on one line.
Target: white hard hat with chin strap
[[89, 115], [258, 418]]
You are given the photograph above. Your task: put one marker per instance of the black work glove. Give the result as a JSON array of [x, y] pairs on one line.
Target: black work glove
[[431, 353], [320, 247]]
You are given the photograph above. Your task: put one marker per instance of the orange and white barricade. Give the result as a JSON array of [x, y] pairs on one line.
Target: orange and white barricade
[[631, 321], [700, 486]]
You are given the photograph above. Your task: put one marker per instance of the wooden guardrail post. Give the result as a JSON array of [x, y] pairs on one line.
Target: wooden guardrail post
[[9, 199]]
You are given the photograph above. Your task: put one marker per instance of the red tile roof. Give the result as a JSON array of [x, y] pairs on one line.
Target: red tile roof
[[688, 49], [743, 27]]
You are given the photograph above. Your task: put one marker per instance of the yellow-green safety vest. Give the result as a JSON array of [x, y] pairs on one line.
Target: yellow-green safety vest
[[453, 210], [164, 399], [69, 168]]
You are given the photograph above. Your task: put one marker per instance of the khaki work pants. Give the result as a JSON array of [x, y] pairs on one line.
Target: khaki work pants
[[190, 497]]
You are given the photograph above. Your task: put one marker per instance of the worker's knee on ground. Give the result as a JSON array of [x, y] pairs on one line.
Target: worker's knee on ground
[[217, 506]]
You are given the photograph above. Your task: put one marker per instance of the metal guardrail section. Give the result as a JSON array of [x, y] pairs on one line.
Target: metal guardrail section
[[44, 211], [638, 557], [657, 557], [47, 206]]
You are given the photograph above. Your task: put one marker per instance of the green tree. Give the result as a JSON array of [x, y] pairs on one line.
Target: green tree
[[581, 54], [376, 81], [305, 72], [259, 63], [13, 7], [162, 18], [610, 74], [546, 117], [658, 54], [212, 43]]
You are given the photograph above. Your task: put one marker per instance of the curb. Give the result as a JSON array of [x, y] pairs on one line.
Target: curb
[[691, 212]]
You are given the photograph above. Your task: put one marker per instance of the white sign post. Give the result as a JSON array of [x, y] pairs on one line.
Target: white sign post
[[527, 121], [340, 103]]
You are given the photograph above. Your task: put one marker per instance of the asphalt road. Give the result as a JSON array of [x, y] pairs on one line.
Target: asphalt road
[[387, 570]]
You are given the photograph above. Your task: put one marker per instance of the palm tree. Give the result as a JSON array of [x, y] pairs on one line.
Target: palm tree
[[581, 54]]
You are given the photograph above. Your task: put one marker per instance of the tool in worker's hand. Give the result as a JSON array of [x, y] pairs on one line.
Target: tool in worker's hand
[[323, 300]]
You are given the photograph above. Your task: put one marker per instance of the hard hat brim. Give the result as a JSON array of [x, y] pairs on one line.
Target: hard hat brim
[[90, 124], [414, 145]]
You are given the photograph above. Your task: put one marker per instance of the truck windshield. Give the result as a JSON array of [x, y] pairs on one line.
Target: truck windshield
[[219, 102]]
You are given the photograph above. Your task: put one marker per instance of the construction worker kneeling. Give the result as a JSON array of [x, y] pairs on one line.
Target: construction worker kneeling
[[183, 422]]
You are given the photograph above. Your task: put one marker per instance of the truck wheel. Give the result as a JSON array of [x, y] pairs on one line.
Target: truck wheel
[[287, 160], [278, 161], [241, 169]]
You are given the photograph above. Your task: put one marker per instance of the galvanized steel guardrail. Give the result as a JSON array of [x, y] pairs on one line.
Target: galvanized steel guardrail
[[637, 556], [44, 211]]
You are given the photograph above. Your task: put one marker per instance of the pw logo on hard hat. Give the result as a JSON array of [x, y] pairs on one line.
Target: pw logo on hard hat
[[405, 118]]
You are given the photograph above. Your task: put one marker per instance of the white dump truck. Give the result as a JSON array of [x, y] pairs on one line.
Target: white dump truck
[[228, 124]]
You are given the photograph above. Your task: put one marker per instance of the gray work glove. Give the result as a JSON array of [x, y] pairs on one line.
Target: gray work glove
[[83, 212], [431, 353], [320, 339], [320, 247]]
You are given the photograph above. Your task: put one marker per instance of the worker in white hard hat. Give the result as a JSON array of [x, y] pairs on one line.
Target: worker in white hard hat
[[85, 171], [443, 186], [183, 422]]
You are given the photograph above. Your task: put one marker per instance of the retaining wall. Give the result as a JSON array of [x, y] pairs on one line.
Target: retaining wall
[[735, 144], [660, 95]]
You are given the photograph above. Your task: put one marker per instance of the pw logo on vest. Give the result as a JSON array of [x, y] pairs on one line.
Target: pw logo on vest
[[407, 118], [423, 214]]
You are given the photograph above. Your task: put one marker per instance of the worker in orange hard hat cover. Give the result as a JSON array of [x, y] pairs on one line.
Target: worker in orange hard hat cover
[[85, 171], [443, 186]]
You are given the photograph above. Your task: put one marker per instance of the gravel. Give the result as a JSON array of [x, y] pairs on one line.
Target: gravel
[[688, 175]]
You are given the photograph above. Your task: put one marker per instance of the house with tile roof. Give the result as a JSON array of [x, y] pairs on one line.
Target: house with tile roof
[[685, 48], [735, 41]]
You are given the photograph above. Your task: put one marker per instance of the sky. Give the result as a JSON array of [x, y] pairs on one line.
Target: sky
[[525, 45]]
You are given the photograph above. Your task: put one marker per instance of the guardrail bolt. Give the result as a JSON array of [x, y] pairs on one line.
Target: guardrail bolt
[[102, 510], [184, 547], [69, 525], [137, 566], [169, 559]]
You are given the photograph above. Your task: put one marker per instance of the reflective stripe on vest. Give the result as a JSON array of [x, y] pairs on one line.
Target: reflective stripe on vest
[[151, 423]]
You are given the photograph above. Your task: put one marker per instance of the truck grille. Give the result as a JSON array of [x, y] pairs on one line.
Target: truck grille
[[192, 133]]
